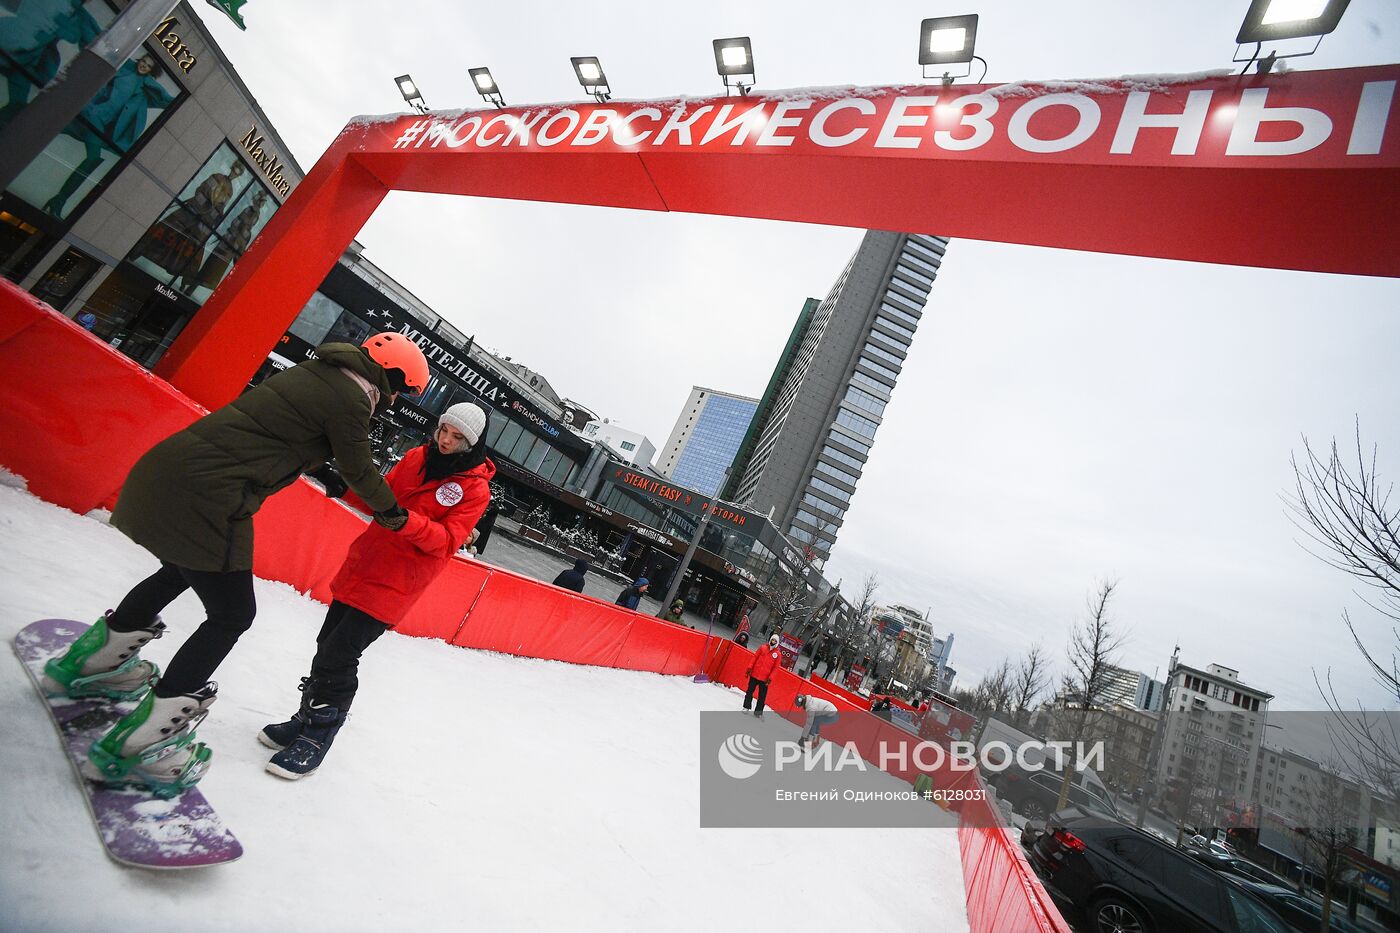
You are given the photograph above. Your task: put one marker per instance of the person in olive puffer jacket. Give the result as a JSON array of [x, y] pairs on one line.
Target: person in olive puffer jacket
[[190, 501]]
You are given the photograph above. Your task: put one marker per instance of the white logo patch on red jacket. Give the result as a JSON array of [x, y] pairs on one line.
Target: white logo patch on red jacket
[[449, 494]]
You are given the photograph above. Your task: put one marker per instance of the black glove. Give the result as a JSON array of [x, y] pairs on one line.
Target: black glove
[[393, 519], [326, 476]]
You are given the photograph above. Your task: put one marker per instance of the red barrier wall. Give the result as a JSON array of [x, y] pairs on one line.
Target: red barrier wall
[[75, 414], [1003, 892], [75, 439]]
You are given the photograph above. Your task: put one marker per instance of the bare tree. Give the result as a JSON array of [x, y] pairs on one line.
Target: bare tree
[[993, 693], [850, 631], [1329, 829], [788, 602], [865, 601], [1028, 682], [1345, 512], [1093, 645]]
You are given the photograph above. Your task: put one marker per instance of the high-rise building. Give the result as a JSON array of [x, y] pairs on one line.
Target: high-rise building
[[1214, 729], [1150, 694], [1129, 688], [705, 439], [812, 432]]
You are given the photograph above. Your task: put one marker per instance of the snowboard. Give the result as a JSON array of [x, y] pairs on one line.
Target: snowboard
[[137, 827]]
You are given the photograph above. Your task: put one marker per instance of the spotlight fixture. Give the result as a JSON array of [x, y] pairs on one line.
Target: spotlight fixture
[[1281, 20], [590, 75], [486, 85], [411, 94], [734, 58], [949, 40]]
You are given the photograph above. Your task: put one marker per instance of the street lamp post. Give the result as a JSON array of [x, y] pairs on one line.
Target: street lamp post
[[675, 585]]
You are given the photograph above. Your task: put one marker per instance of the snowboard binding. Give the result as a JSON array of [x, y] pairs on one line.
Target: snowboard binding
[[103, 663], [153, 746]]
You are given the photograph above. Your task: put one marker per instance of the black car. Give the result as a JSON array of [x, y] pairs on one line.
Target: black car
[[1233, 865], [1302, 913], [1126, 881], [1034, 794]]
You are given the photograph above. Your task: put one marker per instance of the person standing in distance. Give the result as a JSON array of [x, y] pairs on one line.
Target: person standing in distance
[[631, 596], [190, 501], [445, 486], [573, 579], [765, 662]]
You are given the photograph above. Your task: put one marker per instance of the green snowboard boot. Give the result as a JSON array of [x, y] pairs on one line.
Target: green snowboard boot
[[103, 663], [153, 746]]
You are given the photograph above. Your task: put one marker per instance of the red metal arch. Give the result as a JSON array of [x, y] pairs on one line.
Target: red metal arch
[[1296, 171]]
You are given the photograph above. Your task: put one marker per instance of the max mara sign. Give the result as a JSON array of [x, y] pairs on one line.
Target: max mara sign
[[1290, 171]]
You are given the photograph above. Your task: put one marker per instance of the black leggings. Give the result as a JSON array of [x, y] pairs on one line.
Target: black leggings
[[229, 606], [345, 635]]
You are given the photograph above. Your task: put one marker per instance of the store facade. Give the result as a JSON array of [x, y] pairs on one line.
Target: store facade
[[645, 524], [132, 216]]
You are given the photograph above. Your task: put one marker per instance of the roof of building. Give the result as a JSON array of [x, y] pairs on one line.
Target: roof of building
[[726, 394], [1237, 684]]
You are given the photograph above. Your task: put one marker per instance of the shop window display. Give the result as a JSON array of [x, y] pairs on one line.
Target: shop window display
[[37, 40], [206, 229], [64, 278]]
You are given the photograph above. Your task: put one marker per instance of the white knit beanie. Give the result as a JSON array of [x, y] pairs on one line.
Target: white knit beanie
[[467, 418]]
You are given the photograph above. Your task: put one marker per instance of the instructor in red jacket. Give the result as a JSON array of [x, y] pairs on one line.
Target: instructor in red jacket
[[442, 487], [765, 662]]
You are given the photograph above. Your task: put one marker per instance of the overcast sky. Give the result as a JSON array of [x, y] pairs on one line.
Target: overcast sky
[[1064, 417]]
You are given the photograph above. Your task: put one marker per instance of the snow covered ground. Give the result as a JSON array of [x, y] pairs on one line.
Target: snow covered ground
[[469, 790]]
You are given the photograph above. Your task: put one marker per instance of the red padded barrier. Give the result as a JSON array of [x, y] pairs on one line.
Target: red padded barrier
[[301, 538], [517, 615], [657, 645], [442, 610], [74, 441], [728, 664], [1003, 892], [76, 414]]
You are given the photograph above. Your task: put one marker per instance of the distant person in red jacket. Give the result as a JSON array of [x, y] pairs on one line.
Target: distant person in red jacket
[[765, 662], [442, 487]]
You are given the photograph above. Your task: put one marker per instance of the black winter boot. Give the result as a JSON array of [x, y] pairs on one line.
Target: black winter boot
[[304, 755], [279, 735]]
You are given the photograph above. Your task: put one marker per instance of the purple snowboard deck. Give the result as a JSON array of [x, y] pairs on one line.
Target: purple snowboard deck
[[136, 827]]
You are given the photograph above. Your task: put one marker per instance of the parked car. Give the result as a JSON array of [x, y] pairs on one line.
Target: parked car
[[1127, 881], [1035, 794], [1034, 791], [1234, 865], [1302, 913], [1214, 846]]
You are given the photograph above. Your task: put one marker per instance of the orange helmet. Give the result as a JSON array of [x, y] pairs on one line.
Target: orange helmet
[[396, 352]]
